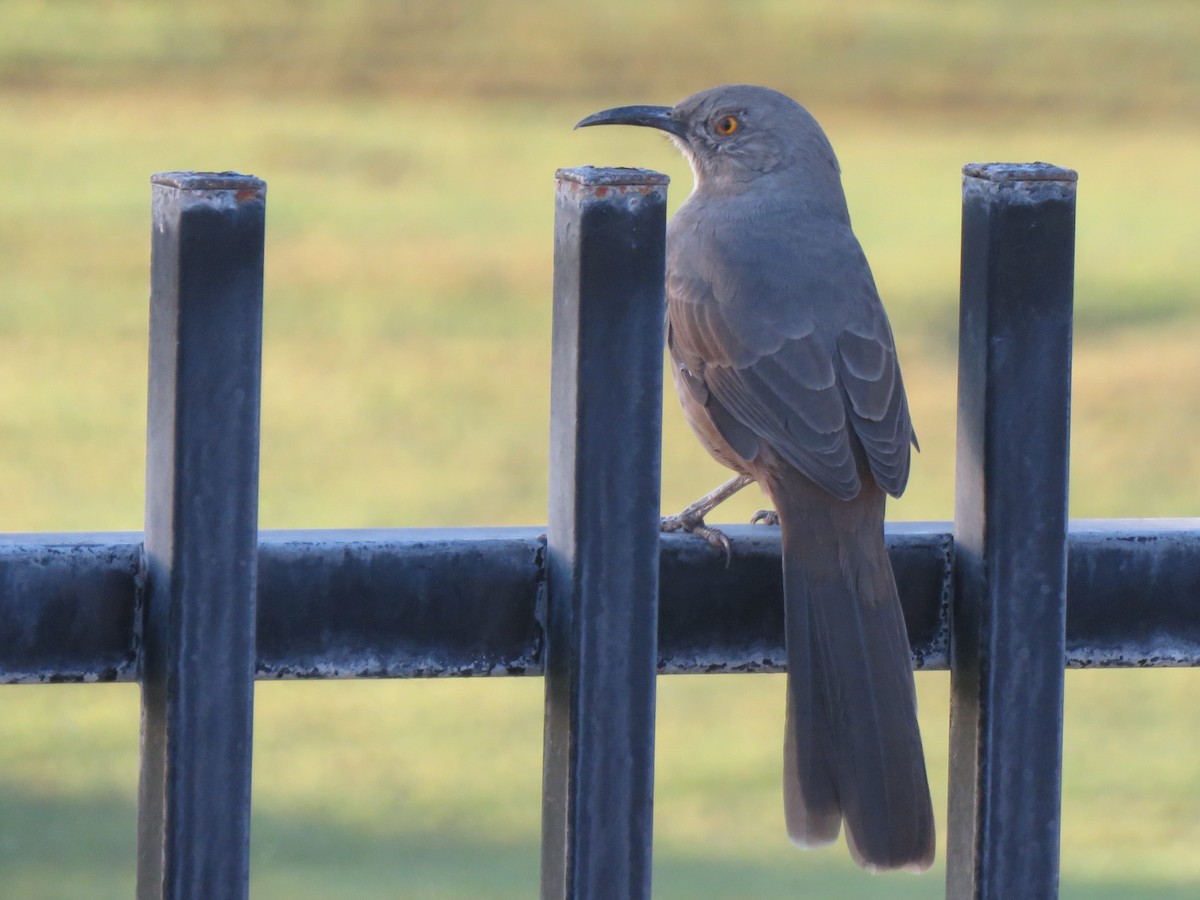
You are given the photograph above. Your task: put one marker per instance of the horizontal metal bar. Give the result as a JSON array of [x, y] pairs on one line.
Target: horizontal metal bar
[[415, 603]]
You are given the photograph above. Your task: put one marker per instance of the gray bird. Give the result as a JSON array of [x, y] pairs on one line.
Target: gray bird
[[786, 369]]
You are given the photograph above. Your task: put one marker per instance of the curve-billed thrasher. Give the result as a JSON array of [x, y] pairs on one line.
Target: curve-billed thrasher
[[786, 369]]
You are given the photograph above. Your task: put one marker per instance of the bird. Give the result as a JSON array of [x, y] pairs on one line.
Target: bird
[[785, 366]]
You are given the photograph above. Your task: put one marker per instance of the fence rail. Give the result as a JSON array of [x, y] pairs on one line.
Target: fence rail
[[436, 603], [600, 601]]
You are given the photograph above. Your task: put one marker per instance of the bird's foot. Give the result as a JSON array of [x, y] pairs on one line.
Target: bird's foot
[[694, 524], [765, 517], [691, 519]]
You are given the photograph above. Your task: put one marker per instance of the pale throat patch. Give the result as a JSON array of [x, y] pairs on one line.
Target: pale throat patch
[[686, 150]]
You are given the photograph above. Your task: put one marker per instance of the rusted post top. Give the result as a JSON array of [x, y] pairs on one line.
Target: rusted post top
[[601, 187], [208, 181], [1028, 182], [611, 177], [1007, 172], [211, 190]]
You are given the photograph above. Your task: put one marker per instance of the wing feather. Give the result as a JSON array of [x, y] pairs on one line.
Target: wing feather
[[802, 361]]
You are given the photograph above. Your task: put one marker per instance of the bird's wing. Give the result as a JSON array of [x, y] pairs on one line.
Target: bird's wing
[[769, 368], [875, 399]]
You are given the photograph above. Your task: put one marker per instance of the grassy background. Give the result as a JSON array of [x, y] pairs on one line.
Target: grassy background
[[409, 151]]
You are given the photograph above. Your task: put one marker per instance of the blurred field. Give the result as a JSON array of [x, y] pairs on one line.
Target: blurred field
[[409, 151]]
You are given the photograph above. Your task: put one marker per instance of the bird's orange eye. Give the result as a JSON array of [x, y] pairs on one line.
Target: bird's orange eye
[[726, 125]]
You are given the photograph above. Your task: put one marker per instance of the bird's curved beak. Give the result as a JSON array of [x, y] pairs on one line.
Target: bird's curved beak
[[660, 117]]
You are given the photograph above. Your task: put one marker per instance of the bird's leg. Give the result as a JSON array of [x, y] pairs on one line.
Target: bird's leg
[[691, 519], [692, 516], [765, 517]]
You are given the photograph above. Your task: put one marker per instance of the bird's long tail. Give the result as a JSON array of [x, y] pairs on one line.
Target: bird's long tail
[[853, 747]]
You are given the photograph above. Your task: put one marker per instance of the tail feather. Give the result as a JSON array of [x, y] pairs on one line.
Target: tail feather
[[811, 806], [854, 748]]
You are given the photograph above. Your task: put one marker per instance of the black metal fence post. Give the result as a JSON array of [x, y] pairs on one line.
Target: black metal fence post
[[603, 535], [201, 536], [1007, 644]]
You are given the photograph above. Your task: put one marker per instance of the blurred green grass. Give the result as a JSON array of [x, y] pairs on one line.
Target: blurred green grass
[[409, 151], [1116, 58]]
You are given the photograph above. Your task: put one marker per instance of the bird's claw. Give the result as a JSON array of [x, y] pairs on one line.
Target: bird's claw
[[716, 539], [765, 517]]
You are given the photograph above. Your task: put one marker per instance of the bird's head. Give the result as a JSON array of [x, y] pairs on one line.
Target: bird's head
[[737, 133]]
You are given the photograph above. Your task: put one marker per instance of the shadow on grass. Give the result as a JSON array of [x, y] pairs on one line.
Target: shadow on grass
[[63, 849]]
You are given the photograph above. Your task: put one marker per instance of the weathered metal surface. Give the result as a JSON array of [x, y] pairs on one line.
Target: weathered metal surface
[[1141, 581], [68, 607], [437, 603], [1010, 526], [602, 554], [718, 618], [198, 614], [401, 604]]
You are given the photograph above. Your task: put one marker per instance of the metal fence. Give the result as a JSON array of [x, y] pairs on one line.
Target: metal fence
[[600, 602]]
